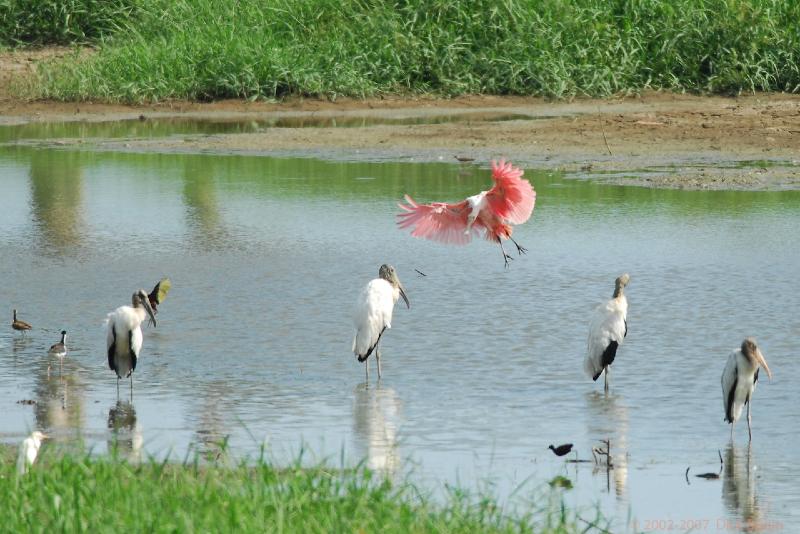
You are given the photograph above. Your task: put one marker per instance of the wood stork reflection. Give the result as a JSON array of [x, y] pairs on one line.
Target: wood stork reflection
[[124, 338], [374, 313], [739, 381], [607, 330]]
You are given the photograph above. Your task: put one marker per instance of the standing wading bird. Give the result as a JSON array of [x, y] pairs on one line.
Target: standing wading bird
[[22, 326], [60, 349], [374, 314], [28, 451], [608, 329], [739, 381], [491, 212], [124, 339]]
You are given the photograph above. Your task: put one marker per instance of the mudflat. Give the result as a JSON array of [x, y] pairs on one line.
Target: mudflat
[[654, 139]]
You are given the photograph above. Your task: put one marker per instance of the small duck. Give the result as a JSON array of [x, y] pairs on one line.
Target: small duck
[[22, 326], [59, 349], [561, 450]]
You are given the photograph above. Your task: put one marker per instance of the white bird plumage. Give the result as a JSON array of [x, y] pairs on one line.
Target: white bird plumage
[[29, 450], [607, 331], [739, 381], [373, 313], [124, 335]]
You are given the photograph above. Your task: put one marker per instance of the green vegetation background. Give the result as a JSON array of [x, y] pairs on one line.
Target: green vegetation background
[[211, 49]]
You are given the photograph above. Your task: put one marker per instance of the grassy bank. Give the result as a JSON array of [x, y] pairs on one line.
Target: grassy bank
[[102, 495], [211, 49]]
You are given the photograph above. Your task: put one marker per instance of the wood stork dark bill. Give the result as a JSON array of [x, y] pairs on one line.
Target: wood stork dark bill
[[20, 325], [124, 338], [374, 314], [607, 330], [29, 450], [739, 381]]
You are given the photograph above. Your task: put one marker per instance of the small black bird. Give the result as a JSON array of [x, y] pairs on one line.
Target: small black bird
[[561, 450]]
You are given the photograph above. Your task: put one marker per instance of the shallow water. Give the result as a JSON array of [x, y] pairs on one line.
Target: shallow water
[[483, 372]]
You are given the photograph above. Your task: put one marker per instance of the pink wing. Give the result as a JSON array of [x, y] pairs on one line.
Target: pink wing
[[446, 223], [511, 198]]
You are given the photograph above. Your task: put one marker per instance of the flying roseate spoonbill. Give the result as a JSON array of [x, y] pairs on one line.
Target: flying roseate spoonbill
[[17, 324], [374, 313], [159, 293], [28, 450], [607, 330], [739, 381], [124, 339], [490, 213]]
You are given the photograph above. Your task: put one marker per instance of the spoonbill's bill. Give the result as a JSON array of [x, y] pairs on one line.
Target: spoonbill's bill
[[28, 451], [60, 349], [490, 213], [607, 330], [739, 381], [374, 313], [17, 324], [124, 339]]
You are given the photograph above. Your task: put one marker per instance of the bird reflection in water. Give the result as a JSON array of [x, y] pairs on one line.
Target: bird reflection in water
[[739, 487], [608, 420], [125, 438], [377, 414]]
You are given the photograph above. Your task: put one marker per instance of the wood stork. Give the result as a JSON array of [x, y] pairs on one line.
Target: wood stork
[[491, 213], [28, 451], [124, 338], [607, 330], [374, 313], [739, 381], [17, 324]]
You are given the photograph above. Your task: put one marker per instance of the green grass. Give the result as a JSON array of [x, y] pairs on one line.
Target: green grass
[[68, 494], [47, 22], [211, 49]]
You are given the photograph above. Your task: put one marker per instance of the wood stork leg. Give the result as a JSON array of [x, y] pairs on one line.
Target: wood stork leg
[[520, 249], [749, 432], [605, 388], [366, 368], [117, 387], [378, 359], [733, 423], [506, 257]]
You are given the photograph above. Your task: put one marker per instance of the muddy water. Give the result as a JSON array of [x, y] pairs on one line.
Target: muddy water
[[483, 372]]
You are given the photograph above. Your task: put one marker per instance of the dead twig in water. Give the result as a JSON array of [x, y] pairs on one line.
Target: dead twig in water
[[686, 474], [709, 476], [420, 272]]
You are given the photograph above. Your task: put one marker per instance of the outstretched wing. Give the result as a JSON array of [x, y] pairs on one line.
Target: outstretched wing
[[512, 198], [159, 293], [446, 223]]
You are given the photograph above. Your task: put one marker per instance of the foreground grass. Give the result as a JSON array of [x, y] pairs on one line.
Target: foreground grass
[[211, 49], [83, 494]]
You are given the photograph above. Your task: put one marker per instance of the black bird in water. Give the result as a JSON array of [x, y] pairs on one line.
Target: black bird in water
[[561, 450]]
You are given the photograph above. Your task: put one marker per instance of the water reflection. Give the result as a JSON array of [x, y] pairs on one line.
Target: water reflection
[[213, 410], [739, 487], [202, 209], [377, 413], [608, 420], [56, 203], [125, 437], [59, 399]]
